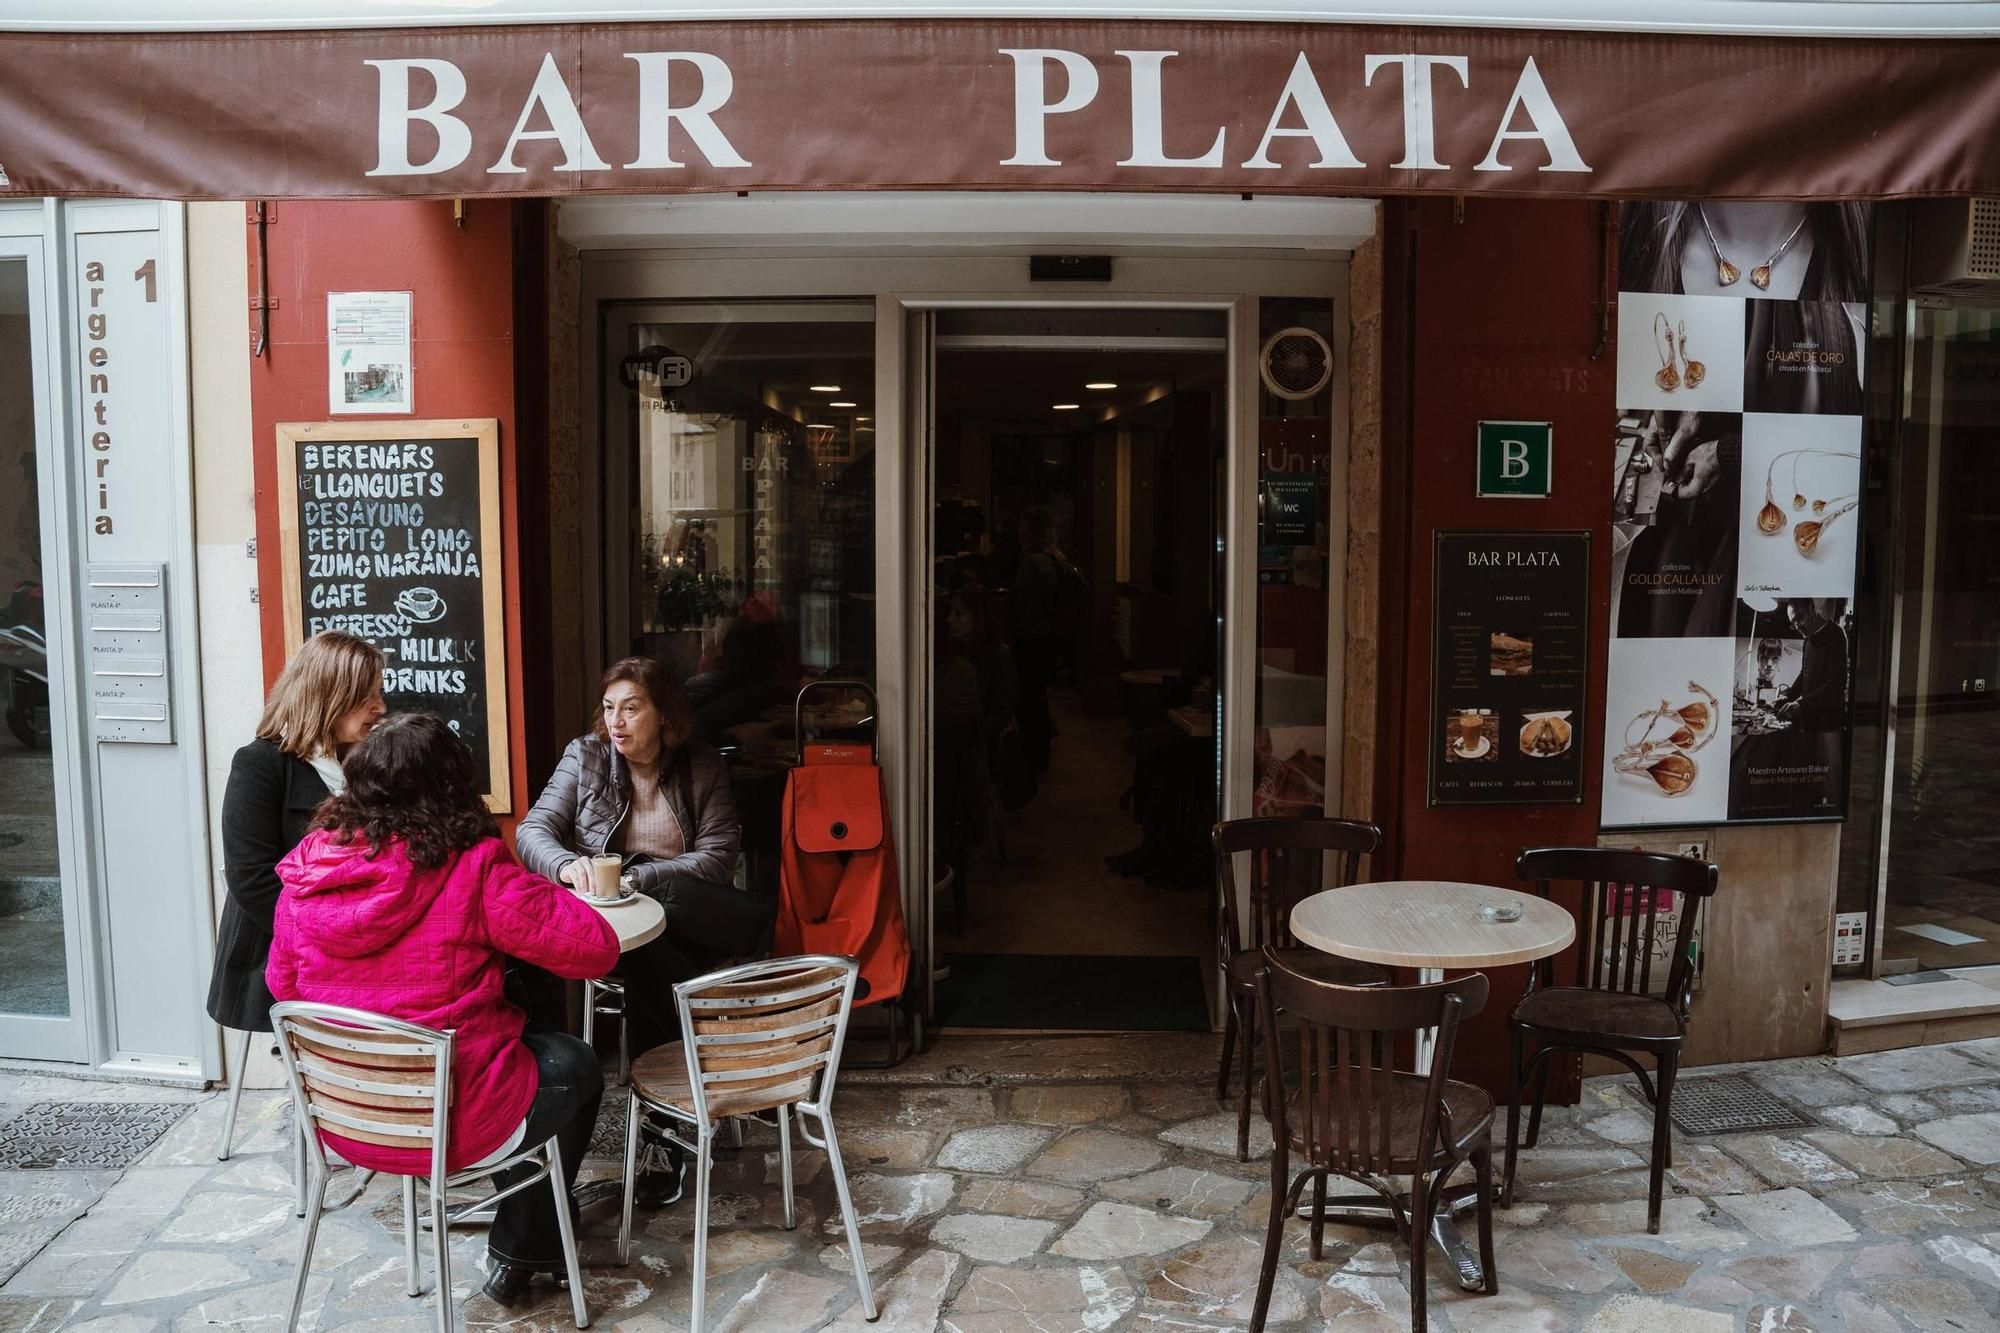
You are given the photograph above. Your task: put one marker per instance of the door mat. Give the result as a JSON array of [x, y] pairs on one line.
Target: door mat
[[1729, 1104], [1091, 992], [86, 1134]]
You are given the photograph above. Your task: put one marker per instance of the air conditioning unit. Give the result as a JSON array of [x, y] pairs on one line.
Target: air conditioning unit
[[1957, 249]]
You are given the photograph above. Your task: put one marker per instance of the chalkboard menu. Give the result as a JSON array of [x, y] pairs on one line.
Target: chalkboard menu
[[391, 531], [1509, 648]]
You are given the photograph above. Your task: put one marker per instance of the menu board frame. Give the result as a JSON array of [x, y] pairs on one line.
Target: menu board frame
[[1567, 702], [484, 432]]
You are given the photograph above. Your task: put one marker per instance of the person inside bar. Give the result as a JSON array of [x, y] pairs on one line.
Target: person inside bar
[[639, 785]]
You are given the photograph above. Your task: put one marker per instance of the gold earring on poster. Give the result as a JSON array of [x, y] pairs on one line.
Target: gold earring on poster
[[1666, 377], [1693, 372]]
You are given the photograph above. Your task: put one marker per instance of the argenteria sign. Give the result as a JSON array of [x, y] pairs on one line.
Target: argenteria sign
[[983, 104]]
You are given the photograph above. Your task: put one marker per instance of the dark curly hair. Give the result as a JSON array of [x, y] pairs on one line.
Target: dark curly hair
[[412, 779]]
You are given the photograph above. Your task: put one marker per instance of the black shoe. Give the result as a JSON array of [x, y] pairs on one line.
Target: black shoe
[[662, 1173], [508, 1284]]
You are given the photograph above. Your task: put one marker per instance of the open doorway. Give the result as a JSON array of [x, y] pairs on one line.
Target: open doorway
[[1077, 474]]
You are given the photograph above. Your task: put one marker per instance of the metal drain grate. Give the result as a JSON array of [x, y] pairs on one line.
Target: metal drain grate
[[1730, 1104], [85, 1134], [607, 1139]]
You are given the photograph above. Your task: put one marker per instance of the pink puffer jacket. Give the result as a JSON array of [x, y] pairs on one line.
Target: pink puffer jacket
[[429, 946]]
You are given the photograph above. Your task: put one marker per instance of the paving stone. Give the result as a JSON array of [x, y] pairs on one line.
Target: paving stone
[[1685, 1224], [1704, 1169], [1907, 1106], [1077, 1299], [1857, 1119], [1625, 1126], [1217, 1134], [931, 1108], [262, 1307], [877, 1257], [1578, 1175], [37, 1315], [227, 1219], [165, 1273], [1357, 1302], [1969, 1257], [1219, 1281], [783, 1299], [1713, 1289], [1555, 1263], [1018, 1198], [1078, 1105], [1862, 1315], [1792, 1277], [1174, 1102], [990, 1239], [147, 1195], [117, 1323], [994, 1149], [1974, 1137], [1904, 1207], [1121, 1231], [1779, 1319], [911, 1301], [1090, 1155], [1645, 1314], [1898, 1260], [736, 1248], [1788, 1217], [1509, 1312], [1185, 1190], [1936, 1303], [1809, 1084], [1914, 1069], [1984, 1048], [1785, 1161], [36, 1205], [1978, 1097], [1653, 1272], [892, 1205], [892, 1146], [1883, 1158]]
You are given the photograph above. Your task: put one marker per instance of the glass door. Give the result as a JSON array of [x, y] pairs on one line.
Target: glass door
[[40, 961]]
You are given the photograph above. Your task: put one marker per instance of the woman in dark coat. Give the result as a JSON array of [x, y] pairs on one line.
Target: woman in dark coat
[[327, 698]]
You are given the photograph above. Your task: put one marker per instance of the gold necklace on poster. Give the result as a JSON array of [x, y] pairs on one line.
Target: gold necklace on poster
[[1727, 273], [1771, 520]]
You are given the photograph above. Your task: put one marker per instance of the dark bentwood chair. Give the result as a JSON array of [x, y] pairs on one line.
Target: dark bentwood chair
[[1353, 1114], [1611, 1011], [1288, 859]]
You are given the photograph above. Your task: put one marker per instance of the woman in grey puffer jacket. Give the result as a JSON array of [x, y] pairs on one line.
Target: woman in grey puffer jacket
[[639, 786]]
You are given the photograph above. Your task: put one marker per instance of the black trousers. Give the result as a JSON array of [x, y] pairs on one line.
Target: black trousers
[[525, 1230], [707, 925]]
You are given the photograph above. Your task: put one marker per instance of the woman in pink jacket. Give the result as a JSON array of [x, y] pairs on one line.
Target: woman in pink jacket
[[404, 901]]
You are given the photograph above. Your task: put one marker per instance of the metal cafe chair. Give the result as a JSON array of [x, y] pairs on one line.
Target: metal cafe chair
[[1354, 1114], [1611, 1010], [228, 1146], [765, 1036], [376, 1079], [1287, 862], [604, 997]]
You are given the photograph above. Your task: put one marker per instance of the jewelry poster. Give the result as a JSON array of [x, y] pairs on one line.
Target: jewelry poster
[[1737, 476], [1510, 644]]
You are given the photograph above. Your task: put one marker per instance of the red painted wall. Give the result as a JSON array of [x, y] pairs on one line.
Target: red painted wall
[[1499, 311], [462, 283]]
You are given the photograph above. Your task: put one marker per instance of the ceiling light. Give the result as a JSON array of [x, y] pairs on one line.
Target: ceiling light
[[864, 418], [1063, 407], [843, 404], [824, 388], [1100, 385]]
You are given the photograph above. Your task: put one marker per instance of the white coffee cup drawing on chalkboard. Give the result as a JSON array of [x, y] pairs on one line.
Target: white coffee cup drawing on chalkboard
[[422, 605]]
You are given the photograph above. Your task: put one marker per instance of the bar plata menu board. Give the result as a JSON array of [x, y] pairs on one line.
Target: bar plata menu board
[[391, 531], [1509, 646]]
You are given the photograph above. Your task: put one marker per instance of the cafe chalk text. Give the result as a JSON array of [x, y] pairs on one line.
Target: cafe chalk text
[[679, 102]]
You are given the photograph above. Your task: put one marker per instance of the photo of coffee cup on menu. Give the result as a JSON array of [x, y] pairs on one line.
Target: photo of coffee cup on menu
[[1466, 735], [1469, 727], [605, 869]]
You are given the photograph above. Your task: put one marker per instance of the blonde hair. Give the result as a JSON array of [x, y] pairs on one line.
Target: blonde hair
[[331, 675]]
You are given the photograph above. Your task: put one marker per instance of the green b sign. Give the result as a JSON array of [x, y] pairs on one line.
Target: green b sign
[[1515, 459]]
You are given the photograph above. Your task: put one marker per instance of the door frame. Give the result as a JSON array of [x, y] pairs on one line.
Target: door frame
[[24, 236]]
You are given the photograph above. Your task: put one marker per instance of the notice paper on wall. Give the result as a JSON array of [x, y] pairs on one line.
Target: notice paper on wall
[[368, 353], [1736, 484]]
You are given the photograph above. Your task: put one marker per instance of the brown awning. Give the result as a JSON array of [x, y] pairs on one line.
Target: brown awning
[[977, 104]]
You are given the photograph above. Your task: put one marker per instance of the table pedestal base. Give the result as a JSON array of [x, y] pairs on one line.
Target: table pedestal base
[[1372, 1210]]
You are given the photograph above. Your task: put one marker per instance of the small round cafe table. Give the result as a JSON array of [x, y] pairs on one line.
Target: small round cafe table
[[638, 920], [1432, 926]]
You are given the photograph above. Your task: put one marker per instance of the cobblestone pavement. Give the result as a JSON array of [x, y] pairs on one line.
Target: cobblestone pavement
[[1049, 1188]]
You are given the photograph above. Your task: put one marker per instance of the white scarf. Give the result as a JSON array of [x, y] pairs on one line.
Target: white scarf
[[329, 772]]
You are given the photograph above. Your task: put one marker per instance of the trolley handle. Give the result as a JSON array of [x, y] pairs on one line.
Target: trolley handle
[[872, 720]]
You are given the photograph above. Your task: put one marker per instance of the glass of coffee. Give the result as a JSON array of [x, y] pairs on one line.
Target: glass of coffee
[[1470, 724], [604, 872]]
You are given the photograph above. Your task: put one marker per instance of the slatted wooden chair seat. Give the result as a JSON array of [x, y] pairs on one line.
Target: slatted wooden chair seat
[[1470, 1120], [1288, 860], [763, 1037], [373, 1079]]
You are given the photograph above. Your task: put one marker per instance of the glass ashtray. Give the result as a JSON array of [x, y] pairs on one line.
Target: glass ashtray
[[1499, 912]]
